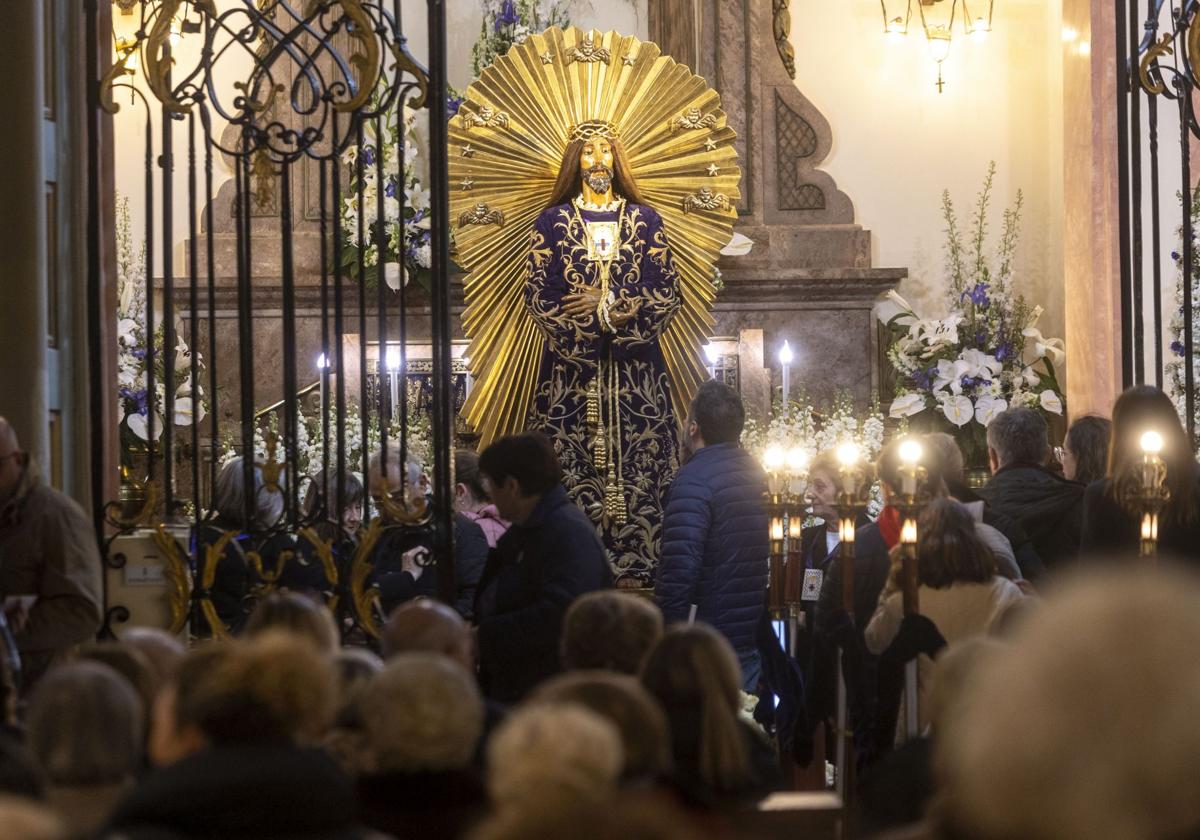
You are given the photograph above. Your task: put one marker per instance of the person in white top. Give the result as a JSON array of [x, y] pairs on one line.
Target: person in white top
[[960, 590]]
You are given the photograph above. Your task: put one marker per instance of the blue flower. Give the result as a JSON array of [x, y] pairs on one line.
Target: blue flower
[[453, 103], [1004, 351], [507, 16], [369, 155], [390, 189], [138, 352], [1177, 348], [979, 295]]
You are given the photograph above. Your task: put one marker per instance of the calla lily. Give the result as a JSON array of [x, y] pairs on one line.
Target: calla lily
[[1050, 402], [138, 424], [1034, 317], [1042, 346], [958, 410], [188, 411], [906, 405], [986, 409], [738, 246], [395, 276]]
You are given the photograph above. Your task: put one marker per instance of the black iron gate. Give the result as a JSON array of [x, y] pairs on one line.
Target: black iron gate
[[297, 100], [1158, 73]]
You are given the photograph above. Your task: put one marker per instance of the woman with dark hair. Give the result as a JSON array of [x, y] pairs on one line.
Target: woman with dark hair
[[720, 760], [306, 571], [959, 589], [1112, 515], [1085, 450], [472, 500]]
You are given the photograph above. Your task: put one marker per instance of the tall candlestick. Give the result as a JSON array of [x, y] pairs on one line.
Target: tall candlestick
[[395, 362], [785, 360], [323, 378]]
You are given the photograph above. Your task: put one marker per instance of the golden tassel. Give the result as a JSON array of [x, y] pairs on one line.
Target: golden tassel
[[600, 450], [593, 402]]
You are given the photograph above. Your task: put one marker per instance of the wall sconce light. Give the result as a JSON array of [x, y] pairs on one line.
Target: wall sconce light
[[939, 35], [895, 18]]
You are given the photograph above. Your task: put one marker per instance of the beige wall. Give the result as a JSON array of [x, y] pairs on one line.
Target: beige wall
[[898, 142]]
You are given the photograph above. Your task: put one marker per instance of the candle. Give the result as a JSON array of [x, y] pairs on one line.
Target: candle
[[910, 456], [848, 454], [908, 532], [773, 460], [777, 529], [470, 383], [713, 355], [846, 530], [785, 360], [323, 378], [394, 362]]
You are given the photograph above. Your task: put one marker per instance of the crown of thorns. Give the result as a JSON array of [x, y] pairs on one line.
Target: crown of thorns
[[593, 129]]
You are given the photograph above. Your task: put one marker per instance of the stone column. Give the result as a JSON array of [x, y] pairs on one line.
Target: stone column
[[23, 302], [1091, 231]]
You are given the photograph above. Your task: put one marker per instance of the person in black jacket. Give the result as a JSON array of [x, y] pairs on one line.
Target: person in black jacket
[[1047, 506], [1111, 513], [402, 560], [550, 556]]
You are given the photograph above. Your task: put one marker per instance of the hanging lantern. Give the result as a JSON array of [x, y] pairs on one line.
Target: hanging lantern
[[896, 14], [939, 31], [977, 17]]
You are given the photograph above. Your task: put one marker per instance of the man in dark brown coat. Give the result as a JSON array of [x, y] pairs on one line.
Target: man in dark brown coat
[[49, 563]]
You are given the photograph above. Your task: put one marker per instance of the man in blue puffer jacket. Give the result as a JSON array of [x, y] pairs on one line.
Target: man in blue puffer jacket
[[714, 545]]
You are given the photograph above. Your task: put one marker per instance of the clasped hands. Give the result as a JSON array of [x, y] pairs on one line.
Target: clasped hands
[[620, 312]]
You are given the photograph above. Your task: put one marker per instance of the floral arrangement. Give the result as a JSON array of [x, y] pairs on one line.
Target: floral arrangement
[[406, 235], [1176, 370], [509, 22], [136, 406], [956, 373]]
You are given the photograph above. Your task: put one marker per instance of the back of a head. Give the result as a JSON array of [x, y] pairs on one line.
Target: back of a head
[[466, 473], [230, 496], [943, 450], [631, 816], [949, 549], [422, 713], [406, 472], [620, 699], [163, 651], [1084, 726], [272, 689], [297, 615], [529, 458], [22, 819], [1138, 410], [131, 664], [694, 674], [552, 758], [427, 626], [610, 630], [85, 726], [1019, 436], [1088, 439], [719, 413], [356, 667], [888, 465]]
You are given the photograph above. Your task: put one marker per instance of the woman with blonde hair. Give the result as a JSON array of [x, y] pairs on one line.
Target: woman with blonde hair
[[719, 758]]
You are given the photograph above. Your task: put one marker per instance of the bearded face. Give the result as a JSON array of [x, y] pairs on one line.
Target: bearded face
[[596, 164]]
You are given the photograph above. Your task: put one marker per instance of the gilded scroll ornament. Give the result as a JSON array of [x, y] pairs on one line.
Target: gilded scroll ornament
[[589, 52], [272, 468], [324, 552], [486, 117], [133, 490], [157, 57], [364, 598], [405, 63], [691, 120], [213, 554], [179, 576], [481, 214], [118, 69], [782, 28], [258, 106], [706, 199], [263, 174], [1158, 49], [365, 58]]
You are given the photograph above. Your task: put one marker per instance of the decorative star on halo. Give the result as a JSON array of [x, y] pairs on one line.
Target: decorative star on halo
[[468, 151], [712, 170], [710, 144], [629, 60], [467, 183], [547, 57]]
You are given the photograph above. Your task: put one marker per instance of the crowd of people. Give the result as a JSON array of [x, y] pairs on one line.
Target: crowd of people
[[1053, 695]]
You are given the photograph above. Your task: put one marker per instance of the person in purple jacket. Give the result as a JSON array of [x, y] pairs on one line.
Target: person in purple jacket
[[714, 543]]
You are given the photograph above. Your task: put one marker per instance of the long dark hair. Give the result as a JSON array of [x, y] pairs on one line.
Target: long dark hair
[[570, 175], [1139, 409], [949, 549], [1088, 440]]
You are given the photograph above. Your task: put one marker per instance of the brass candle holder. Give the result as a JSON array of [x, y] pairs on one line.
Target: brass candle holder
[[1152, 492]]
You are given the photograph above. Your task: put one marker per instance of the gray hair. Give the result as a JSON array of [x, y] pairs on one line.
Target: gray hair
[[1019, 436], [394, 467], [230, 496], [85, 726], [423, 711]]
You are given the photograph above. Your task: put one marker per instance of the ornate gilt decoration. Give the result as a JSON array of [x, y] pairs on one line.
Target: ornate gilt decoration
[[405, 63], [466, 184], [271, 576], [781, 25], [258, 106], [692, 120], [156, 54], [547, 57], [1160, 48], [272, 468], [114, 513], [706, 199], [118, 69], [481, 214], [324, 552], [485, 118], [493, 245], [212, 557], [126, 6], [467, 151], [263, 174], [364, 598], [365, 58], [589, 52], [179, 575]]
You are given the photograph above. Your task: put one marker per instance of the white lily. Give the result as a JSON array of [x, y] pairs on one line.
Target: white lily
[[395, 276], [958, 410], [980, 365], [906, 405], [950, 374], [738, 246], [986, 409], [126, 331], [188, 411], [892, 306], [1050, 402], [1042, 346], [138, 424]]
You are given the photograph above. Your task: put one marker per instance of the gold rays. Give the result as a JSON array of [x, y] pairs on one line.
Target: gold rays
[[507, 142]]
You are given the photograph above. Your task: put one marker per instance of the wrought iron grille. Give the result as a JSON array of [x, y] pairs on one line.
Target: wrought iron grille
[[294, 97]]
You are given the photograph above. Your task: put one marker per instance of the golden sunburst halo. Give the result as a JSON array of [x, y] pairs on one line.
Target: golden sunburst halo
[[507, 141]]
